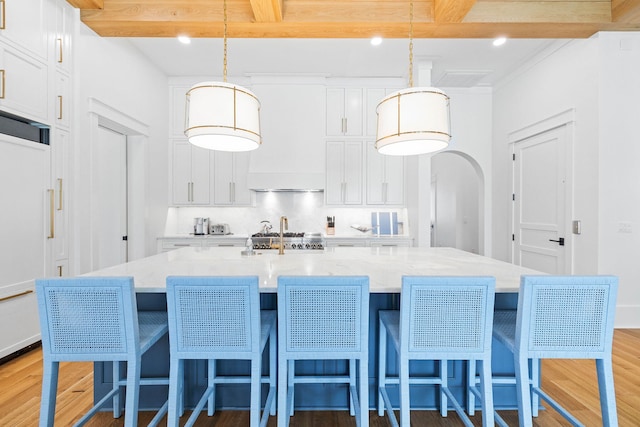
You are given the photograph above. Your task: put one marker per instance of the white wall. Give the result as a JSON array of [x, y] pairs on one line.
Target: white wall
[[619, 178], [115, 74], [595, 79], [457, 210], [471, 123]]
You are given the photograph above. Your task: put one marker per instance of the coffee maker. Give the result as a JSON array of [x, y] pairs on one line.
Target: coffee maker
[[200, 226]]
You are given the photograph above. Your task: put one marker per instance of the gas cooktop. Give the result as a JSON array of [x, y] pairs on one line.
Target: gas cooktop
[[291, 240]]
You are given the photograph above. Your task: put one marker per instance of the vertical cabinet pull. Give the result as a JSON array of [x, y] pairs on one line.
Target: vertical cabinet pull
[[59, 41], [59, 107], [59, 271], [2, 79], [344, 125], [51, 213], [59, 194], [2, 10]]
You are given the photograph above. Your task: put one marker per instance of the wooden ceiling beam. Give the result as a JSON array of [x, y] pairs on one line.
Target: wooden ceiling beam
[[87, 4], [339, 30], [564, 12], [267, 10], [362, 18], [625, 11], [451, 11]]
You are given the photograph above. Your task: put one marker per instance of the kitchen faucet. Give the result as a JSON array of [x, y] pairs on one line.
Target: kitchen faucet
[[284, 225]]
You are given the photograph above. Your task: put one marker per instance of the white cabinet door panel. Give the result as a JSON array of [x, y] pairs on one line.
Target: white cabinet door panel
[[25, 225], [24, 84], [25, 24]]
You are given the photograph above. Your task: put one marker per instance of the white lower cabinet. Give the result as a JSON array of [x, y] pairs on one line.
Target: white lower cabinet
[[26, 230]]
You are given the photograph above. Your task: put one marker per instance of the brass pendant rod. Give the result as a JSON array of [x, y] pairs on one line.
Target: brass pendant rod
[[411, 44], [224, 63]]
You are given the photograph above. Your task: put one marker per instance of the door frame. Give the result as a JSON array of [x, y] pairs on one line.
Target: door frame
[[564, 119], [137, 136]]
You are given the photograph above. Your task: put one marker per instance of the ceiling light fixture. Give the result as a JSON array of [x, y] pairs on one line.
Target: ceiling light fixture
[[499, 41], [413, 120], [376, 41], [184, 39], [223, 116]]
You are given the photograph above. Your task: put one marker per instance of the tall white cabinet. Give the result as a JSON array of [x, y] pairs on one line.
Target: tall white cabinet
[[36, 77]]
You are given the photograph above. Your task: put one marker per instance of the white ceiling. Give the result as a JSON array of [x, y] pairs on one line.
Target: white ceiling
[[463, 62]]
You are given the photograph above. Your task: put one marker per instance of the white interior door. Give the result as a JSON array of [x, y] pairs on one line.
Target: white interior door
[[540, 240], [110, 198]]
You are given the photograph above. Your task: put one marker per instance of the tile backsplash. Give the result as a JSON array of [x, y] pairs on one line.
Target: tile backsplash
[[306, 212]]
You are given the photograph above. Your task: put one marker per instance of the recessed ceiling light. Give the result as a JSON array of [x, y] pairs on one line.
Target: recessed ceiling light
[[184, 39], [499, 41], [375, 41]]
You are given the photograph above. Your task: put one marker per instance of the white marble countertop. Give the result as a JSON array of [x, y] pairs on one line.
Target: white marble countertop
[[385, 266]]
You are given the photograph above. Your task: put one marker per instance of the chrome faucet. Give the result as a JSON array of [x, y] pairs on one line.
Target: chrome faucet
[[284, 225]]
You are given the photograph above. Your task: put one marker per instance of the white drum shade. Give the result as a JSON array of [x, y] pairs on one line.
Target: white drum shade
[[413, 121], [222, 116]]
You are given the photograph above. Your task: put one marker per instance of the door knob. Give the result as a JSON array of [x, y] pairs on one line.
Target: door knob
[[560, 241]]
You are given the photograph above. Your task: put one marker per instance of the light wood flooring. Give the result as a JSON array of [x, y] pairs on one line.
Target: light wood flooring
[[573, 383]]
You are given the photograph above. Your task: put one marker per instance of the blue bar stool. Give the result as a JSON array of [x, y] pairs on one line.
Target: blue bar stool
[[560, 317], [323, 318], [440, 318], [219, 318], [95, 319]]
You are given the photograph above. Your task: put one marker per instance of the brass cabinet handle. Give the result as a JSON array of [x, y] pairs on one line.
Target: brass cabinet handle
[[51, 214], [2, 10], [59, 107], [59, 194], [2, 82], [59, 40], [16, 295], [59, 271]]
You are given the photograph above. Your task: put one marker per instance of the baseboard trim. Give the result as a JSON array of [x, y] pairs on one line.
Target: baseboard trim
[[20, 352]]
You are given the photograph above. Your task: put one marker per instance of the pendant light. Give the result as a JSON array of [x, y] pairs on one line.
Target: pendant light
[[222, 116], [413, 120]]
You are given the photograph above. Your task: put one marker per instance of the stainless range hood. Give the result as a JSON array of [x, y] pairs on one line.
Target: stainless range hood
[[292, 154]]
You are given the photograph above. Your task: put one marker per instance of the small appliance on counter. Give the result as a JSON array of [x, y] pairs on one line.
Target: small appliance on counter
[[219, 229], [200, 226]]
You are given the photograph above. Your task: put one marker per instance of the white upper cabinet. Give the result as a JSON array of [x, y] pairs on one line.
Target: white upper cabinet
[[23, 23], [23, 84], [62, 36], [230, 179], [374, 96], [344, 173], [191, 168], [344, 112], [385, 178]]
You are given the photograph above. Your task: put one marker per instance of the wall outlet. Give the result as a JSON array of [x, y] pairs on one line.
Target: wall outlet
[[625, 227]]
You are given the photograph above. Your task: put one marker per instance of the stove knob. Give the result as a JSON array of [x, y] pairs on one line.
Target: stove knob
[[308, 246]]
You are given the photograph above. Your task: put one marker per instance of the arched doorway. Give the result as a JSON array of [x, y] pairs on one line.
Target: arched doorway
[[457, 202]]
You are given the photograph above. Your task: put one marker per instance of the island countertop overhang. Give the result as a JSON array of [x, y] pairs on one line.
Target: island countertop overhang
[[385, 266]]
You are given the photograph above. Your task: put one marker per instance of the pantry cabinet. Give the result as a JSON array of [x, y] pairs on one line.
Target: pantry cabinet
[[385, 178], [24, 24], [230, 179], [191, 167], [61, 46], [344, 173]]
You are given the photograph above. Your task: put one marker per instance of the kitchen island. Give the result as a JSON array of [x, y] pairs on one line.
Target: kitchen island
[[385, 267]]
